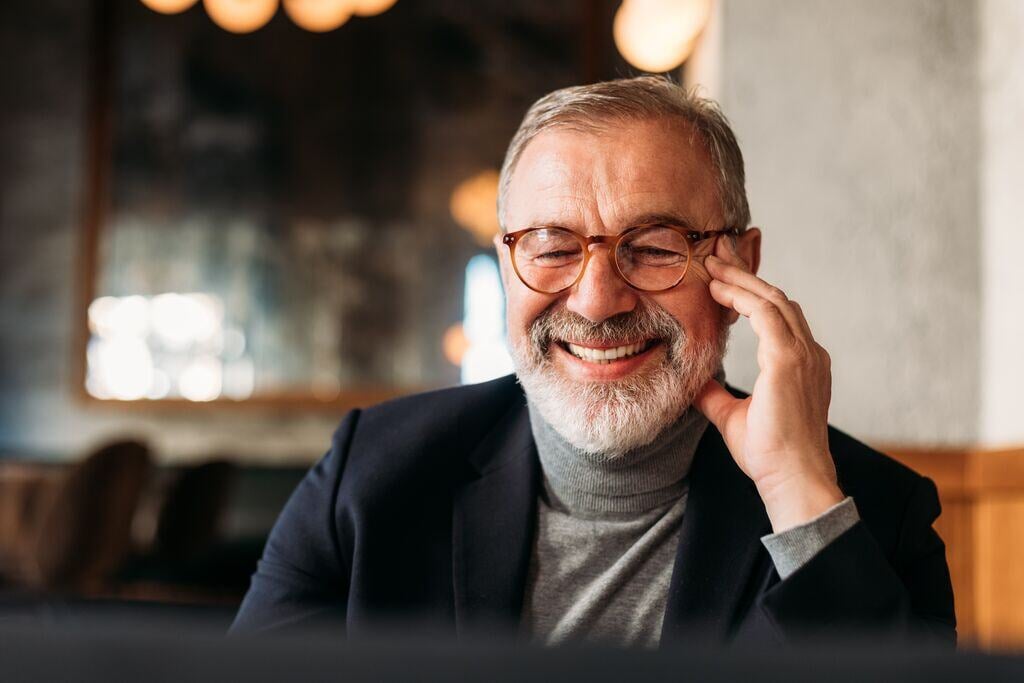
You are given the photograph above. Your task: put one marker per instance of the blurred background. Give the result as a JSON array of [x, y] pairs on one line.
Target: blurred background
[[223, 223]]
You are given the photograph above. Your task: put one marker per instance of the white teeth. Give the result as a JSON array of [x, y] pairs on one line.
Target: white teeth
[[604, 355]]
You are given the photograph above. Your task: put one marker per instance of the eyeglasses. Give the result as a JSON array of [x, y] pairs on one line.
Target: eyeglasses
[[651, 258]]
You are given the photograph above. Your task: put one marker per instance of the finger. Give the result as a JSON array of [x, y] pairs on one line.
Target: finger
[[737, 275], [766, 319], [795, 317], [800, 319], [732, 269], [717, 404], [725, 249]]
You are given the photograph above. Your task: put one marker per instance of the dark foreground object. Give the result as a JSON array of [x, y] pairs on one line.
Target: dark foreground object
[[113, 650]]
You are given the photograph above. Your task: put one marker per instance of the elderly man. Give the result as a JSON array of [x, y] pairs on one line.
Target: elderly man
[[618, 492]]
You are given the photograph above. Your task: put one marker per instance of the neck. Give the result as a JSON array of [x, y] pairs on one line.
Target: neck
[[633, 482]]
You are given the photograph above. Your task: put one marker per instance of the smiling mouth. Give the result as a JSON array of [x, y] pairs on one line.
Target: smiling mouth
[[604, 356]]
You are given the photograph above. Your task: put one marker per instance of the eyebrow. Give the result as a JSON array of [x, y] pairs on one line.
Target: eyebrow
[[655, 218], [663, 219]]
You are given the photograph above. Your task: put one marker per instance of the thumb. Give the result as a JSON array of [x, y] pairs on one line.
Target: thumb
[[716, 403]]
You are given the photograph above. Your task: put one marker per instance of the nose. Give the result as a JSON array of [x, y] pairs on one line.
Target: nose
[[601, 293]]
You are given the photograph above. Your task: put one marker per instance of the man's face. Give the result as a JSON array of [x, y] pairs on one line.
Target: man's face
[[603, 183]]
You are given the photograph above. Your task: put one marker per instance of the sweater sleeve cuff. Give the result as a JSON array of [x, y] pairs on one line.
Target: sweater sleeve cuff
[[793, 548]]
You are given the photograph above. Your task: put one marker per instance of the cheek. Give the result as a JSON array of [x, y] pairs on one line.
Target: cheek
[[523, 307], [694, 308]]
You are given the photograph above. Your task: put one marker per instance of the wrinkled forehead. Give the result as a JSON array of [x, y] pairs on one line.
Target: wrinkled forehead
[[604, 181]]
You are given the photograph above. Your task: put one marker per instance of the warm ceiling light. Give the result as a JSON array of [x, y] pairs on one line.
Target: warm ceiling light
[[474, 206], [169, 6], [454, 344], [368, 8], [658, 35], [318, 16], [240, 16]]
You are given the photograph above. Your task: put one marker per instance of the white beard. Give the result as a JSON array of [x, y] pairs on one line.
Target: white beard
[[613, 418]]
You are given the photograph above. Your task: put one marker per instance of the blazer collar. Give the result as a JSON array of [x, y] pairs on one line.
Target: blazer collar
[[494, 519], [719, 547]]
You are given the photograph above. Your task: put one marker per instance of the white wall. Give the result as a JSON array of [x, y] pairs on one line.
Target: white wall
[[859, 122], [1002, 211]]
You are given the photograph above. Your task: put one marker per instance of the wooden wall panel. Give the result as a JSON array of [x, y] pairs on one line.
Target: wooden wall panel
[[999, 581], [982, 523]]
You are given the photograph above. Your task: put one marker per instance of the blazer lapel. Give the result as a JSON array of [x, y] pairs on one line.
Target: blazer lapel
[[719, 546], [494, 518]]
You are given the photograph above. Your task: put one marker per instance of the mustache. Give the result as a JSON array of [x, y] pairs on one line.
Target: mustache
[[646, 321]]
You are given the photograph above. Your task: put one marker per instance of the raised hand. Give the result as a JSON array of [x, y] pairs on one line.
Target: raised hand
[[779, 434]]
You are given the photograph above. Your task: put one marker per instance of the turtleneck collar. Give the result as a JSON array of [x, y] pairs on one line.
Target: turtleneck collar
[[592, 485]]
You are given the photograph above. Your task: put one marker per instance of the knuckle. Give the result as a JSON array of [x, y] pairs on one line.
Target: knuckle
[[826, 358], [801, 354], [795, 355]]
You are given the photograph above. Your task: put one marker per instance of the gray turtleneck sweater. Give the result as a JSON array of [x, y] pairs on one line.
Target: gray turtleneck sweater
[[607, 532]]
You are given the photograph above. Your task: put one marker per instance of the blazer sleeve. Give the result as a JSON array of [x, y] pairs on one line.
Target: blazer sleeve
[[302, 578], [852, 587]]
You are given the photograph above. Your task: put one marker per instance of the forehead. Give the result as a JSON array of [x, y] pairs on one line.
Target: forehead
[[604, 181]]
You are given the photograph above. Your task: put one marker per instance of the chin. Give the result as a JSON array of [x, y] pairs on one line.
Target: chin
[[611, 417], [612, 387]]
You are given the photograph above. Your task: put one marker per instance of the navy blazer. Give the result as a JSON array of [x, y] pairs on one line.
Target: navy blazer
[[424, 509]]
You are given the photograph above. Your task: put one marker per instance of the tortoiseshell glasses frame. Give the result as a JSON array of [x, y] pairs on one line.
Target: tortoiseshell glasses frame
[[692, 240]]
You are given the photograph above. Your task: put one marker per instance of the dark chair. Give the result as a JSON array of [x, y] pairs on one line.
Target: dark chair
[[84, 534], [192, 517]]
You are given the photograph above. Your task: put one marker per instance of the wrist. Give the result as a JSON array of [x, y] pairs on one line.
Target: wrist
[[798, 499]]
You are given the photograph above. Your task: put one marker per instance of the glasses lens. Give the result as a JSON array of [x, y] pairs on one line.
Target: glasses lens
[[549, 259], [653, 258]]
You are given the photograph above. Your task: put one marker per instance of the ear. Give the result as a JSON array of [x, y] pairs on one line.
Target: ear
[[748, 248]]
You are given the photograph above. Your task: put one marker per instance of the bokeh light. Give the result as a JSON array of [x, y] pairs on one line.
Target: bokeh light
[[474, 206], [368, 8], [454, 344], [659, 35], [183, 319], [164, 346], [201, 380], [121, 368], [112, 317], [169, 6], [318, 16], [240, 16]]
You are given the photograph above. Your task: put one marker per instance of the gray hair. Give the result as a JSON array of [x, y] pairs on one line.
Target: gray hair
[[585, 107]]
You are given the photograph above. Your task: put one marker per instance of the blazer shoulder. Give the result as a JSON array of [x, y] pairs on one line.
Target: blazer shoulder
[[419, 437], [857, 463], [887, 492], [441, 409]]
